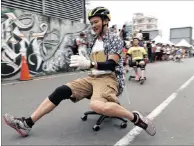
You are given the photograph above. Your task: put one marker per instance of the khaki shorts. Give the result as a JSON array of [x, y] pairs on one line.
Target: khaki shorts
[[101, 87]]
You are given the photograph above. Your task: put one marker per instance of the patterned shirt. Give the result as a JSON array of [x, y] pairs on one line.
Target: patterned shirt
[[113, 45]]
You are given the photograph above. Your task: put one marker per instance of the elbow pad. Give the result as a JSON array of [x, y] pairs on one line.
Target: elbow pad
[[108, 65]]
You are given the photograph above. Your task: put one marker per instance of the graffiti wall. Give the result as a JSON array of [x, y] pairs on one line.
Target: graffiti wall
[[46, 42]]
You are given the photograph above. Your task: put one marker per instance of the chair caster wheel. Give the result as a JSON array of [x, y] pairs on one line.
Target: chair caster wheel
[[142, 81], [84, 118], [96, 128], [123, 125], [132, 76]]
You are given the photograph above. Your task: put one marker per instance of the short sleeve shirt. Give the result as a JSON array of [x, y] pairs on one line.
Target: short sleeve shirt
[[113, 44]]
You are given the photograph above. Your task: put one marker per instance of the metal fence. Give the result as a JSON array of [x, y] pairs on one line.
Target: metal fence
[[73, 10]]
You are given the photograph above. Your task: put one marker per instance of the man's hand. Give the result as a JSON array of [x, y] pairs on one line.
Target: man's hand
[[80, 61]]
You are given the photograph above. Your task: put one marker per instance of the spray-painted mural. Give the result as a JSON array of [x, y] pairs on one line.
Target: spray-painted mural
[[46, 42]]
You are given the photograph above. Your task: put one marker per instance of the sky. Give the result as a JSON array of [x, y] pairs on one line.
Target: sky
[[170, 14]]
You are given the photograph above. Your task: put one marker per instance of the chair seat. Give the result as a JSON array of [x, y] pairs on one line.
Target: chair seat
[[96, 127]]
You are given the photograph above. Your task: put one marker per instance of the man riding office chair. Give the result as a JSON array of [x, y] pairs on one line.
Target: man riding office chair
[[102, 86]]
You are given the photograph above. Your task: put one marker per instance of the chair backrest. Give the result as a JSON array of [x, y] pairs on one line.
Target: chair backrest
[[125, 93]]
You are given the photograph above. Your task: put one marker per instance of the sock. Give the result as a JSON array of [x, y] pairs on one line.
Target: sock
[[138, 122], [29, 122], [136, 117]]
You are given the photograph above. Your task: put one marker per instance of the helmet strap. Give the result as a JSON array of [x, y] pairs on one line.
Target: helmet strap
[[103, 25]]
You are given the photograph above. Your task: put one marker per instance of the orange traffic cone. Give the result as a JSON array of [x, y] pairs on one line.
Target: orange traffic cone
[[24, 74]]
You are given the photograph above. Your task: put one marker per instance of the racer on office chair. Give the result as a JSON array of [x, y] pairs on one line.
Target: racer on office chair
[[138, 59], [103, 85]]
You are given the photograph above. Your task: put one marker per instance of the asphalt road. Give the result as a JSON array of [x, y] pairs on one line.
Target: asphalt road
[[63, 126]]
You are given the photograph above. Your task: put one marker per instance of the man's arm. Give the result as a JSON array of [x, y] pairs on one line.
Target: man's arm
[[144, 53], [129, 53]]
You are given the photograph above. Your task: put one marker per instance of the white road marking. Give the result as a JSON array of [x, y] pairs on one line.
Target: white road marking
[[127, 139], [43, 78]]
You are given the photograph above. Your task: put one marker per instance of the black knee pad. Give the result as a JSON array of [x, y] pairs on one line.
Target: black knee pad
[[60, 93], [142, 67], [133, 64]]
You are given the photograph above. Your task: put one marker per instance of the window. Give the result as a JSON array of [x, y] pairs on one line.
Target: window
[[140, 21]]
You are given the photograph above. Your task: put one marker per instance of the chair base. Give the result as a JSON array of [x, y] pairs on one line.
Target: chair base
[[101, 119]]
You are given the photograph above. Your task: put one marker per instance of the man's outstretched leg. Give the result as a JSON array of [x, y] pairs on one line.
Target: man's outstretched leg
[[114, 109], [142, 67], [75, 91], [136, 73], [24, 125], [134, 65], [105, 101]]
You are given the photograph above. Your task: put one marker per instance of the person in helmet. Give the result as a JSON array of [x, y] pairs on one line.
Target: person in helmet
[[138, 57], [140, 37], [102, 86], [82, 43]]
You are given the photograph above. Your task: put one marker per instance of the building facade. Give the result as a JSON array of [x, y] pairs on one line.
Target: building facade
[[41, 30], [129, 29], [141, 22], [88, 9], [177, 34]]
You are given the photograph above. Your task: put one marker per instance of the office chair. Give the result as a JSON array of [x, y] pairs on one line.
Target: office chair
[[100, 120]]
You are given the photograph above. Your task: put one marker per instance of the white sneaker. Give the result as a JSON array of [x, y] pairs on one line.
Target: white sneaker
[[18, 124], [145, 123]]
